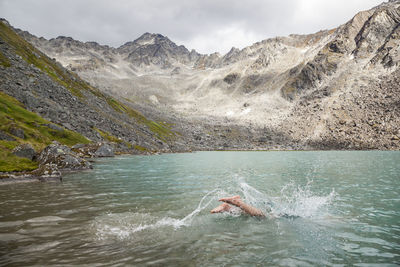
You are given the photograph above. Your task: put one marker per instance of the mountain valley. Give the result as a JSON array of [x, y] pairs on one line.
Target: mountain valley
[[334, 89]]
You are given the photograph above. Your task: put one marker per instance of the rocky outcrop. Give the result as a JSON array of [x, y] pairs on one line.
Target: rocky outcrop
[[104, 150], [25, 151], [6, 137], [47, 171], [55, 159], [62, 157], [370, 35], [52, 161], [156, 49], [18, 132]]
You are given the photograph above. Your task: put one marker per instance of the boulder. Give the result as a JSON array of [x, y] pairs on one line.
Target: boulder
[[47, 171], [78, 146], [104, 150], [18, 132], [6, 137], [25, 151], [62, 157], [54, 127], [231, 78]]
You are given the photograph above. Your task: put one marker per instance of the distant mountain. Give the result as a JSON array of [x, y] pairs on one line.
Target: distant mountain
[[155, 49], [40, 101], [332, 89]]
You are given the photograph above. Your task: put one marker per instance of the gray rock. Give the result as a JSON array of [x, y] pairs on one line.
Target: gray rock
[[46, 171], [67, 125], [62, 157], [77, 146], [231, 78], [105, 150], [18, 132], [25, 151], [54, 127], [6, 137]]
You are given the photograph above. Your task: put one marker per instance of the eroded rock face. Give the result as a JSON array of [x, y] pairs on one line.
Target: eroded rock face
[[63, 157], [25, 151]]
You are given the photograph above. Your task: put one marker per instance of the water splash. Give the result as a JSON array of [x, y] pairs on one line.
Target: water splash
[[188, 219], [301, 201], [124, 225], [293, 201]]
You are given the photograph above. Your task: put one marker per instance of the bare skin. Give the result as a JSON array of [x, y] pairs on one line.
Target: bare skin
[[238, 202], [221, 208]]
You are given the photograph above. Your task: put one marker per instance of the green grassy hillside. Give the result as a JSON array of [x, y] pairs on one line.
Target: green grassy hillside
[[35, 129]]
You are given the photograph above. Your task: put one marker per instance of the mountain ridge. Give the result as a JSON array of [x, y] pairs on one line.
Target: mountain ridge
[[300, 91]]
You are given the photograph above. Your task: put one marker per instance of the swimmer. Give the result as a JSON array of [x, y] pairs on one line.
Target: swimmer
[[238, 202]]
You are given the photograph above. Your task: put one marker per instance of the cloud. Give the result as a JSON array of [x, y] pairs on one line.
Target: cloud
[[204, 25], [224, 38]]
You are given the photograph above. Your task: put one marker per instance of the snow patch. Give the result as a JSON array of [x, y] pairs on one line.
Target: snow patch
[[147, 42]]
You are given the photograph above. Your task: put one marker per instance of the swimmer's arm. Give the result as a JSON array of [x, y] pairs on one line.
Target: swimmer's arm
[[251, 210], [237, 201]]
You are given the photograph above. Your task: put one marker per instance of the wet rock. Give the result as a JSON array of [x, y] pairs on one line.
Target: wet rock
[[63, 157], [25, 151], [46, 171], [105, 150]]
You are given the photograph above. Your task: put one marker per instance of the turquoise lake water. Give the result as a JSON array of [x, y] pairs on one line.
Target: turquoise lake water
[[327, 208]]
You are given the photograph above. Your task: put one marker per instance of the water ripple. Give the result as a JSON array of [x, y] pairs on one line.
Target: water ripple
[[330, 208]]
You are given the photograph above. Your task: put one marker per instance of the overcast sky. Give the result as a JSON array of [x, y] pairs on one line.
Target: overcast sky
[[205, 25]]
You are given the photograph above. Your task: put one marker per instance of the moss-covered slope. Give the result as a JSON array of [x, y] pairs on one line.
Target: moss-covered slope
[[32, 129]]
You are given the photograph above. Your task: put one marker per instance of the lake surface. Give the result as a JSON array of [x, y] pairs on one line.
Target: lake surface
[[327, 208]]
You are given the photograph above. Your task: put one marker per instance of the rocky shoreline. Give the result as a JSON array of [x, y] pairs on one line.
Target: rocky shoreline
[[56, 159]]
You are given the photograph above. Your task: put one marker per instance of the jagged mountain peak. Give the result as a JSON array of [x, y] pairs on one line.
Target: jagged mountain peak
[[156, 37], [156, 49], [66, 38], [145, 39], [148, 39]]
